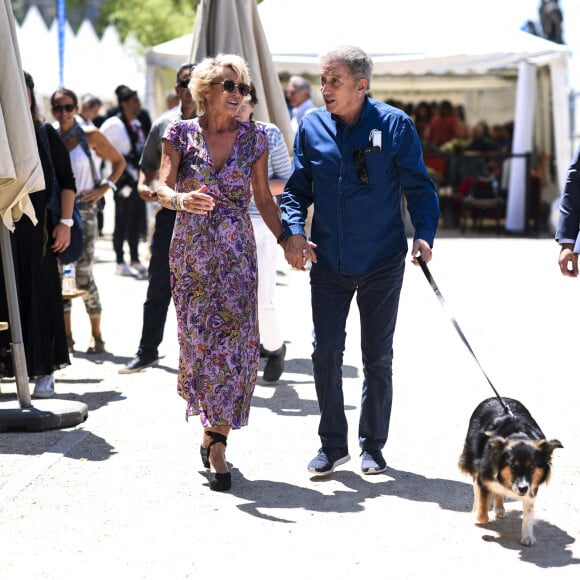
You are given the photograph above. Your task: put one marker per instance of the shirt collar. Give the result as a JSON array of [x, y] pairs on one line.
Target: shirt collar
[[363, 114]]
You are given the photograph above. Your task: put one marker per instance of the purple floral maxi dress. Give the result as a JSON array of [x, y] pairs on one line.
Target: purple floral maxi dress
[[212, 262]]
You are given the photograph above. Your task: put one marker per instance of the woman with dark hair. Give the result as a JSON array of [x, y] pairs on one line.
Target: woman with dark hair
[[83, 144], [34, 250]]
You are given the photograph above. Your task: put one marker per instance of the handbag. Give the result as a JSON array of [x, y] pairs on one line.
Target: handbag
[[75, 249]]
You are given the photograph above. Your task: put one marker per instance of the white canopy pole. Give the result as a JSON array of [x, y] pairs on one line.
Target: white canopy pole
[[561, 115], [521, 145]]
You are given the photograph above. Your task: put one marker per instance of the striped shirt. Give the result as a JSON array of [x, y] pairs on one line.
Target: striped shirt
[[279, 165]]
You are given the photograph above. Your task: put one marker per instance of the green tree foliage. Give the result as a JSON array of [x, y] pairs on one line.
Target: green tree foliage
[[151, 21]]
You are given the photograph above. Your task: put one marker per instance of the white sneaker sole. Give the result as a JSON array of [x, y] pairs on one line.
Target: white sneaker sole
[[374, 471]]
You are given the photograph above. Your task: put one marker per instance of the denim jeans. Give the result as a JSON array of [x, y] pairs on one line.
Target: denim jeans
[[377, 296]]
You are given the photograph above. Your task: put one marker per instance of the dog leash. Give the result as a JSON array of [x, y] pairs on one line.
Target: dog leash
[[459, 331]]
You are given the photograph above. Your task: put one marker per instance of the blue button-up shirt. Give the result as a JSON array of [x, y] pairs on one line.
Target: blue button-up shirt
[[356, 225]]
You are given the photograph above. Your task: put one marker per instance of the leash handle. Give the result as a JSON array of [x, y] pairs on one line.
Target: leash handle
[[457, 328]]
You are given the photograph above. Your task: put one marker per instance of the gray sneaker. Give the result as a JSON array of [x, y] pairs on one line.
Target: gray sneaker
[[328, 459], [373, 462]]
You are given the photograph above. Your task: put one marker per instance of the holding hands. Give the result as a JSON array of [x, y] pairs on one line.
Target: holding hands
[[298, 252]]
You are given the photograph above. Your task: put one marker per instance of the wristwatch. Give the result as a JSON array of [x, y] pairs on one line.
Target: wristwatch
[[68, 222], [109, 183]]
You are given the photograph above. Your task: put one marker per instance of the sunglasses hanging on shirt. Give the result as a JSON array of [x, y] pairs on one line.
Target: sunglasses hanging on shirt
[[361, 165]]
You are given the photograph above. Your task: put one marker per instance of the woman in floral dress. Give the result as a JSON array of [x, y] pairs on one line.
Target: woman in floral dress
[[208, 166]]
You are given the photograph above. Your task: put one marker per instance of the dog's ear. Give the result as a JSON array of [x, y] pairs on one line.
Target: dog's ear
[[497, 443], [548, 446]]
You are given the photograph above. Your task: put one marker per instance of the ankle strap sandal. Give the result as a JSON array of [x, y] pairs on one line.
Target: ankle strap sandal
[[204, 451]]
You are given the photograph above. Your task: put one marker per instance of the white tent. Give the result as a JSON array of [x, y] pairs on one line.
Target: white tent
[[420, 49], [90, 64]]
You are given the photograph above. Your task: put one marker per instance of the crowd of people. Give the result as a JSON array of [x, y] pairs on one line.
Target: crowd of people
[[232, 200], [442, 126]]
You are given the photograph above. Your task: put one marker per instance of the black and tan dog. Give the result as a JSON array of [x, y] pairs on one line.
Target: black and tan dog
[[507, 455]]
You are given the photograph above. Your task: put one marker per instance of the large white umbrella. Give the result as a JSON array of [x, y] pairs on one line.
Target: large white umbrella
[[234, 27], [20, 174], [20, 170]]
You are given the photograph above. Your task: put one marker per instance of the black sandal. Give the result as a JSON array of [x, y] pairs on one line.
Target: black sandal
[[221, 481]]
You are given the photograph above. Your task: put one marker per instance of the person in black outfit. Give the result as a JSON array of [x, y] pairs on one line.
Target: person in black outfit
[[34, 251], [159, 289]]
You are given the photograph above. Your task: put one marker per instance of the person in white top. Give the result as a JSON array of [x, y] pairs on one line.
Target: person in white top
[[279, 169], [84, 144]]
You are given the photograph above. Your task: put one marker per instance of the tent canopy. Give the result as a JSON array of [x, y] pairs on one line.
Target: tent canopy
[[399, 41], [417, 49]]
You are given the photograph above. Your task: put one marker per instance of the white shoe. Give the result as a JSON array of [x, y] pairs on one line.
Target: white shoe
[[126, 270], [44, 388], [141, 270]]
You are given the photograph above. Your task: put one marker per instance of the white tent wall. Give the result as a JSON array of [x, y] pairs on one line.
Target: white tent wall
[[91, 65], [161, 62]]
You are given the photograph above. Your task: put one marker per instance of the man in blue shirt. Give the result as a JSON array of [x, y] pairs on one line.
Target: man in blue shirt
[[353, 159]]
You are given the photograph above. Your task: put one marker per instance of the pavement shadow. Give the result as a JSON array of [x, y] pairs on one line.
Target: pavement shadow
[[91, 448], [550, 551], [261, 495], [79, 444], [93, 400], [120, 361], [286, 401], [303, 366]]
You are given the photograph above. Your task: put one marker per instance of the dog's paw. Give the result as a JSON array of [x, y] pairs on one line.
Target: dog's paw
[[500, 514], [528, 540]]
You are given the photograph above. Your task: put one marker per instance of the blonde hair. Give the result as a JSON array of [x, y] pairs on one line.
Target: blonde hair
[[211, 68]]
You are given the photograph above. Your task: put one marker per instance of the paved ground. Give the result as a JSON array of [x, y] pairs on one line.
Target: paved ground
[[125, 494]]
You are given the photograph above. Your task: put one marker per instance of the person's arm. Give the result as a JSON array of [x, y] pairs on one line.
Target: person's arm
[[146, 178], [196, 201], [419, 190], [108, 152], [297, 250], [569, 220], [66, 181], [149, 163], [263, 198]]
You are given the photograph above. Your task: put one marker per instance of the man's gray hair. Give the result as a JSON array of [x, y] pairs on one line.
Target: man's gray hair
[[301, 83], [357, 60]]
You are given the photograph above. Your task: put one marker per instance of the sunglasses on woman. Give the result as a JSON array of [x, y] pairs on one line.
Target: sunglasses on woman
[[60, 108], [230, 87]]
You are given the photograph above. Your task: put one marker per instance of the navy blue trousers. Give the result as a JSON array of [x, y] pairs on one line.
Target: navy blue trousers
[[159, 289], [377, 295]]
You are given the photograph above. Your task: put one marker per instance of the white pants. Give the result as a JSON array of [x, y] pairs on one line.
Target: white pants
[[267, 252]]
